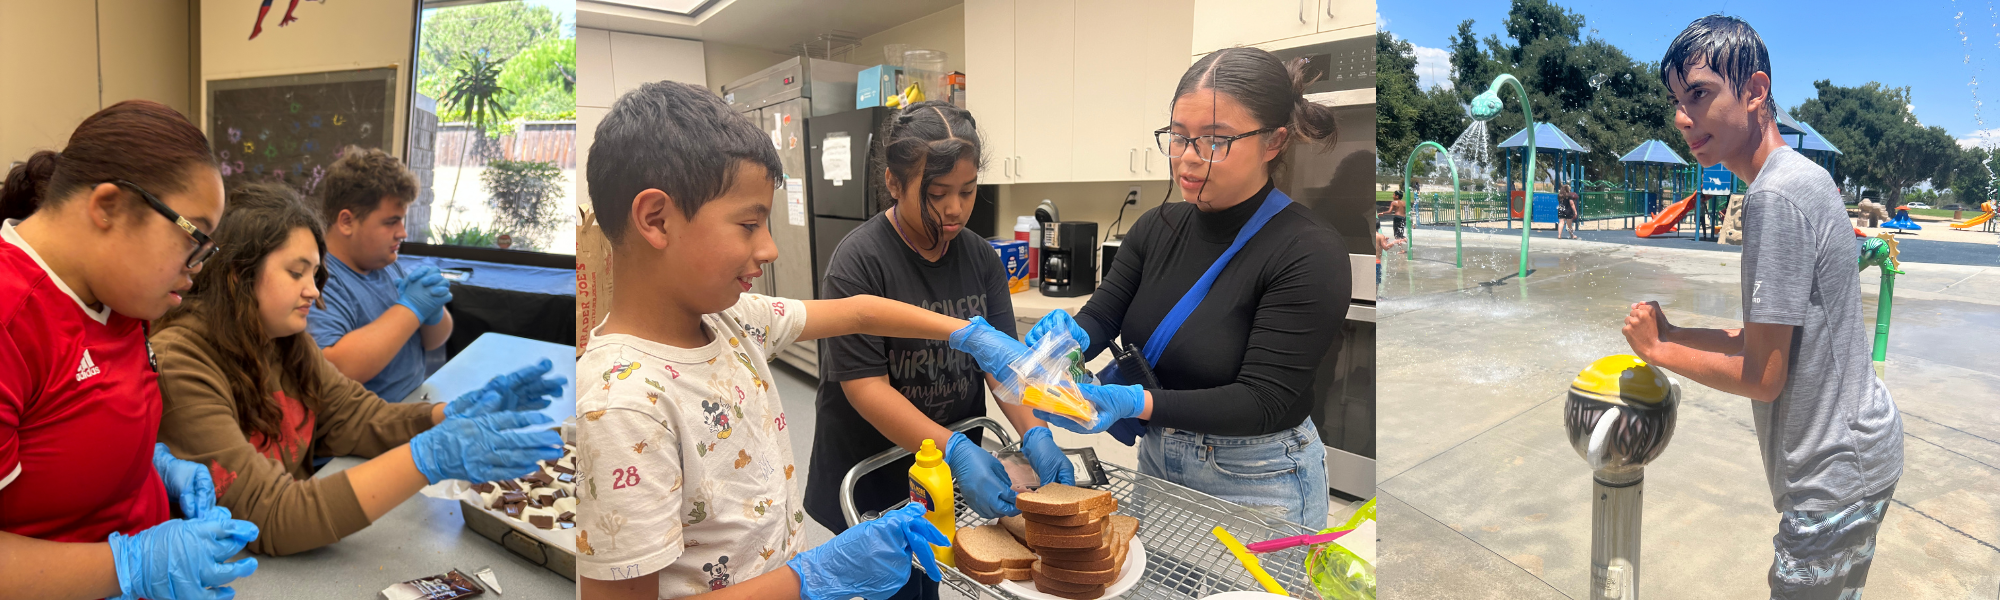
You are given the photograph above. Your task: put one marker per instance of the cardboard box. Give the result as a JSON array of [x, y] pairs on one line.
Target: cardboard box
[[874, 84], [1014, 256], [593, 277]]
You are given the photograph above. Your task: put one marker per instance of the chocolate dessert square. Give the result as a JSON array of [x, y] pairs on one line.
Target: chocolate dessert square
[[542, 521]]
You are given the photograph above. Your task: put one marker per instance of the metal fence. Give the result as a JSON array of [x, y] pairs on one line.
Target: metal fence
[[1442, 208]]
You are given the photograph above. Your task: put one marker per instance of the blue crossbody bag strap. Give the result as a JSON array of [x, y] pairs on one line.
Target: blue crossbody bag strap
[[1157, 343]]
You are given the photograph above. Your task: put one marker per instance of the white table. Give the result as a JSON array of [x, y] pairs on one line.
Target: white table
[[423, 535]]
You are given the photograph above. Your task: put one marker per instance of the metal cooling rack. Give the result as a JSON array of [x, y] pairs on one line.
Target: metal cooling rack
[[1183, 558]]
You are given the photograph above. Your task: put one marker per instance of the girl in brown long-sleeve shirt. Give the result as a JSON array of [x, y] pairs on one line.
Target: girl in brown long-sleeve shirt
[[257, 408]]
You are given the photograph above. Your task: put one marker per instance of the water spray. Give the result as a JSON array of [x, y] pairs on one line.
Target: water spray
[[1619, 416], [1488, 105], [1410, 245]]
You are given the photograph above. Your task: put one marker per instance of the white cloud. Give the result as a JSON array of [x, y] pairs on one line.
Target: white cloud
[[1433, 68], [1985, 138], [1381, 22]]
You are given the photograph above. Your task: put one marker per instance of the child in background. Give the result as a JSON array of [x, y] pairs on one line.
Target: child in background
[[1830, 435], [687, 474], [378, 319]]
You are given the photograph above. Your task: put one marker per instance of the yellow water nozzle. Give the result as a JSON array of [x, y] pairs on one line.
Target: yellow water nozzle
[[1623, 379], [929, 455]]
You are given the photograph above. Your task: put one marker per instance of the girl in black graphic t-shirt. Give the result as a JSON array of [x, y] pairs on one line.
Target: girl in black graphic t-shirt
[[876, 393]]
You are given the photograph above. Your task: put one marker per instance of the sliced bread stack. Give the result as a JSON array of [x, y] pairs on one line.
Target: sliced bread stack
[[1081, 545], [989, 554]]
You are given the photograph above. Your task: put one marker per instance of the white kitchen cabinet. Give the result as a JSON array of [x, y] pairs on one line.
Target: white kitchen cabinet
[[989, 72], [1045, 98], [1070, 90], [1222, 24], [1342, 14]]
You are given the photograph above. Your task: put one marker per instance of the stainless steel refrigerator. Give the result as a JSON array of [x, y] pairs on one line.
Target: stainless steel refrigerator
[[780, 100]]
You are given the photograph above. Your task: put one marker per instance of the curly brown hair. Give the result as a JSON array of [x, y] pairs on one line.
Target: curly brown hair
[[261, 217], [360, 179]]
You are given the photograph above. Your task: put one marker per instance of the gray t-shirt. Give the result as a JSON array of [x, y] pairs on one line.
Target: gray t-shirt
[[1833, 436]]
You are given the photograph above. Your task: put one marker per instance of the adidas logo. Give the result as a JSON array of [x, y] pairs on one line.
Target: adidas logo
[[87, 368]]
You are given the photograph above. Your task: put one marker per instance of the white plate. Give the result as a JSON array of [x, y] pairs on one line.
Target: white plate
[[1135, 567]]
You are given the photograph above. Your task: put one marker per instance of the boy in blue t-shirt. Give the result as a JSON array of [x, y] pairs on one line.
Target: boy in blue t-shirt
[[378, 320]]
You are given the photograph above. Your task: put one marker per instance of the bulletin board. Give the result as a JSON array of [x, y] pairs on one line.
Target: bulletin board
[[290, 128]]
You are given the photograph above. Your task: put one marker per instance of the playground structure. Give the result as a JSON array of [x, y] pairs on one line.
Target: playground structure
[[1902, 221], [1984, 221]]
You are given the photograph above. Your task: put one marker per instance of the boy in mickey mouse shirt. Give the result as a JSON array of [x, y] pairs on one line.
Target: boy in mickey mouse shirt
[[688, 481]]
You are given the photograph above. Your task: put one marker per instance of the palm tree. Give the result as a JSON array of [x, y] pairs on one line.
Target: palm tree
[[474, 96]]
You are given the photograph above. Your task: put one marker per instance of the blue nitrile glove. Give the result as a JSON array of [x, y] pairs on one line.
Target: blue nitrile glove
[[182, 559], [187, 483], [1127, 431], [870, 560], [521, 390], [994, 351], [1113, 402], [980, 478], [485, 448], [425, 291], [1047, 458], [1055, 321]]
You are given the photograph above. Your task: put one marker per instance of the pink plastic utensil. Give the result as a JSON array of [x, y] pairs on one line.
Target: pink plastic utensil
[[1297, 540]]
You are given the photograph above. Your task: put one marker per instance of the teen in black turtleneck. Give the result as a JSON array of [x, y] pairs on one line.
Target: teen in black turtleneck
[[1231, 416]]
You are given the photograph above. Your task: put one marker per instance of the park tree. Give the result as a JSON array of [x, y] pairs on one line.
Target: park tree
[[1405, 115], [1972, 179], [1885, 147], [1583, 85]]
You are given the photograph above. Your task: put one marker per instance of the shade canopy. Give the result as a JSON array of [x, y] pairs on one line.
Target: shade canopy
[[1547, 137], [1652, 151]]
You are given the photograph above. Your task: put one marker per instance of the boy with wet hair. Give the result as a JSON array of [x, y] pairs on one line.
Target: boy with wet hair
[[687, 478], [1828, 431]]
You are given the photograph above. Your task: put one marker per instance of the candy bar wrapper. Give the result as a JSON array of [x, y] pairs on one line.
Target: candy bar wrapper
[[449, 586]]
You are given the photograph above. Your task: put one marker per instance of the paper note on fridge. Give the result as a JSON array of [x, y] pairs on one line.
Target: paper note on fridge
[[795, 200], [833, 157]]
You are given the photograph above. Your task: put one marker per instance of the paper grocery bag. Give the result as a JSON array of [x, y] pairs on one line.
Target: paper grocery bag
[[593, 277]]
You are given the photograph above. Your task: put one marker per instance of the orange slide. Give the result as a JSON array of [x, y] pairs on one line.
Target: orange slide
[[1669, 220]]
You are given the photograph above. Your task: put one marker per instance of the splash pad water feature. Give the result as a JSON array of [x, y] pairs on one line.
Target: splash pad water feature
[[1619, 417], [1485, 107], [1457, 224]]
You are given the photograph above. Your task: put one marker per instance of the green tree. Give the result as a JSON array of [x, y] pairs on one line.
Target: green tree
[[1404, 115], [1885, 147], [1585, 86], [1972, 182], [541, 81], [475, 94], [496, 30]]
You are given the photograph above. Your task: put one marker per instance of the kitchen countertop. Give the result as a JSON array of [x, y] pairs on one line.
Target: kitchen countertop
[[424, 535]]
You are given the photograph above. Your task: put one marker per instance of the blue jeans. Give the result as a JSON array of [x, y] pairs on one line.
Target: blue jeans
[[1282, 474]]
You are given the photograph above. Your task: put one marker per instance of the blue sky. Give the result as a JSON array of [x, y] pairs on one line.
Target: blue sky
[[1897, 43]]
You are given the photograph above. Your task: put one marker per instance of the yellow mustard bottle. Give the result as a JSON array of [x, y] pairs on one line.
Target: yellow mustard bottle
[[930, 485]]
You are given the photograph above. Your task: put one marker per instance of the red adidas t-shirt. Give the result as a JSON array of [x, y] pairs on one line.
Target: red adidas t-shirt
[[79, 410]]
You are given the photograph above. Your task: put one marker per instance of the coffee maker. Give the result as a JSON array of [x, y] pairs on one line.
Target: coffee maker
[[1069, 259]]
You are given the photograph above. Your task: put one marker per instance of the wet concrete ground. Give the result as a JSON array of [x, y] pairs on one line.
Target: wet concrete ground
[[1915, 247], [1482, 496]]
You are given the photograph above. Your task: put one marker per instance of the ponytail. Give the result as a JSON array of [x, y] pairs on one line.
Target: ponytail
[[1310, 120], [22, 192]]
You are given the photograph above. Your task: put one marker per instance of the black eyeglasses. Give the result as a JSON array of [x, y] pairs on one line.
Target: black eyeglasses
[[1212, 148], [203, 246]]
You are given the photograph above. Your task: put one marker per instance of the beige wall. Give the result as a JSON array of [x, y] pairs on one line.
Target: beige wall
[[610, 63], [1094, 201], [329, 36], [943, 30], [53, 68]]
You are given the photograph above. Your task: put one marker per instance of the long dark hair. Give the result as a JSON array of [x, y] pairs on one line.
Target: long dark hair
[[923, 142], [141, 141], [1273, 91], [259, 220]]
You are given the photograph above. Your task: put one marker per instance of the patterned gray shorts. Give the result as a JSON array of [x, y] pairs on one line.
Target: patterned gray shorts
[[1826, 554]]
